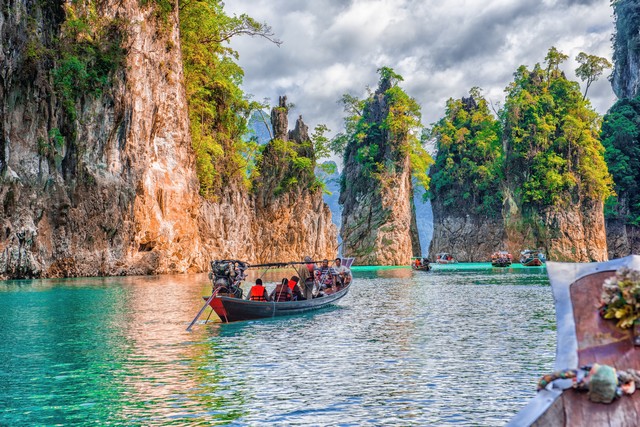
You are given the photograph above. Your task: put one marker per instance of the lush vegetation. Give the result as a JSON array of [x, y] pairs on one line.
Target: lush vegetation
[[554, 154], [218, 108], [379, 146], [468, 170], [90, 52], [621, 139]]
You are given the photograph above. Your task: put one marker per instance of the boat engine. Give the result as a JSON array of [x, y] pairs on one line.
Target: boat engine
[[227, 275]]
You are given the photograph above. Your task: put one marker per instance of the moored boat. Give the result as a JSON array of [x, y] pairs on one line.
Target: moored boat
[[445, 258], [589, 343], [531, 258], [420, 264], [227, 302], [501, 259]]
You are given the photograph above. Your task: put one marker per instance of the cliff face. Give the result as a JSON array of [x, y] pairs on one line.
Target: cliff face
[[119, 195], [291, 218], [377, 210], [470, 238], [106, 184], [625, 79]]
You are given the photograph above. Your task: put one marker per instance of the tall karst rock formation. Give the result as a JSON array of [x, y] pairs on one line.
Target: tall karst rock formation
[[284, 217], [621, 131], [94, 181], [97, 172], [376, 189]]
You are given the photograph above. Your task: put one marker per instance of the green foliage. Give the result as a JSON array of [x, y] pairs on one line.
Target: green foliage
[[620, 299], [554, 152], [379, 147], [621, 139], [468, 170], [90, 50], [590, 69], [218, 108]]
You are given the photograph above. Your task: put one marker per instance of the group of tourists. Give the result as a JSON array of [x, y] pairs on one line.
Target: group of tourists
[[310, 282]]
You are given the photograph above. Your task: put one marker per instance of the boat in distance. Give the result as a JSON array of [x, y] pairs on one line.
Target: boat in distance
[[531, 258], [420, 264], [501, 259], [445, 258]]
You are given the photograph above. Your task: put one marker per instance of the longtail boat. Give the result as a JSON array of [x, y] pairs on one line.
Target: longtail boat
[[585, 338], [530, 258], [445, 258], [501, 259], [420, 264], [226, 296]]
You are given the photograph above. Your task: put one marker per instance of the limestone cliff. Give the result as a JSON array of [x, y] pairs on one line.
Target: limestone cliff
[[292, 219], [118, 195], [625, 79], [376, 191], [100, 179]]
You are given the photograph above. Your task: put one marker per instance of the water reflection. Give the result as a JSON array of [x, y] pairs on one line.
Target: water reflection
[[403, 348]]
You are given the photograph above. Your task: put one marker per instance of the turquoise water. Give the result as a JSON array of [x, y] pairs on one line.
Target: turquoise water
[[454, 346]]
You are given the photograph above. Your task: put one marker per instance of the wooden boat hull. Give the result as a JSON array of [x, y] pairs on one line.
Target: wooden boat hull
[[501, 264], [231, 309], [584, 338], [425, 268], [535, 262]]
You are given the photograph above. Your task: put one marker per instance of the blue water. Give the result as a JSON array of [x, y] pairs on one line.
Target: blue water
[[447, 347]]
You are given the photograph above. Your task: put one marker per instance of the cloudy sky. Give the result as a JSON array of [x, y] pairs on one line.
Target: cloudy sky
[[441, 48]]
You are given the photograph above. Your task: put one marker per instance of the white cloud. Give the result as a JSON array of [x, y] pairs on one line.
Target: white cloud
[[442, 49]]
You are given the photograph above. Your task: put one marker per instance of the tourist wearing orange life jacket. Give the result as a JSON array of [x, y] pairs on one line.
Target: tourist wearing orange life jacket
[[258, 292], [282, 292], [296, 292]]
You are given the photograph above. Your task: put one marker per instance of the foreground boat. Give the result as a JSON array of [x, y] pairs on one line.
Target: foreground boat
[[227, 302], [230, 309], [584, 338], [530, 258]]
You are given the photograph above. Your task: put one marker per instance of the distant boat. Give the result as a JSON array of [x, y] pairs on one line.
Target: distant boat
[[530, 258], [584, 338], [421, 264], [227, 302], [445, 258], [501, 259]]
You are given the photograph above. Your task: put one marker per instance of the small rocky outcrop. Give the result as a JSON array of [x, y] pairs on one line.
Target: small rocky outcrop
[[378, 223]]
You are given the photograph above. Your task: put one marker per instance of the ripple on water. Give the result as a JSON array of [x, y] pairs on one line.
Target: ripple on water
[[449, 347]]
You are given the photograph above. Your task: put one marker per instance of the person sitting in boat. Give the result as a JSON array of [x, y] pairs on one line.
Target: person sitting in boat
[[296, 292], [258, 292], [326, 275], [418, 264], [306, 273], [282, 292], [343, 274]]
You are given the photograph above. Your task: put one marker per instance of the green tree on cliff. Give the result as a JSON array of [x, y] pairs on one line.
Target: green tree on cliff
[[590, 69], [554, 154], [218, 108], [399, 127], [621, 139], [468, 166]]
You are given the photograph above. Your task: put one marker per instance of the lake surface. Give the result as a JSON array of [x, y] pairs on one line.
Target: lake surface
[[460, 345]]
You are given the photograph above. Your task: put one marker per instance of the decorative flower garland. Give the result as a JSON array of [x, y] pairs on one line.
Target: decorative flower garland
[[621, 297]]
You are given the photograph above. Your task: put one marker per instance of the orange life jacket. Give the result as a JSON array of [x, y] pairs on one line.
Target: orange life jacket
[[282, 293], [292, 284], [257, 293]]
